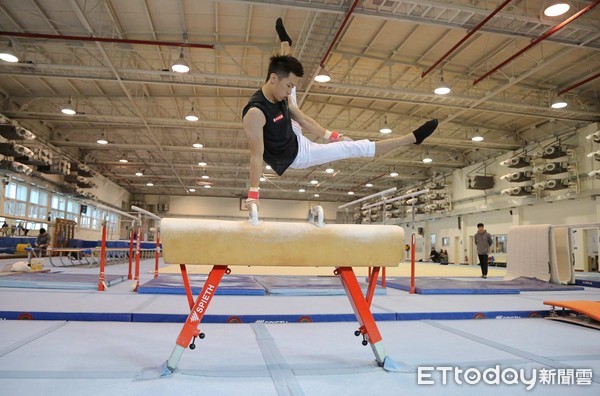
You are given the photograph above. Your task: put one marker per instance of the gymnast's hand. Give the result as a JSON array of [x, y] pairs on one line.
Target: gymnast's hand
[[334, 136], [250, 201], [253, 197]]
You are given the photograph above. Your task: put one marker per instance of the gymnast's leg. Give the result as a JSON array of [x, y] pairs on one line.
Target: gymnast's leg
[[313, 154]]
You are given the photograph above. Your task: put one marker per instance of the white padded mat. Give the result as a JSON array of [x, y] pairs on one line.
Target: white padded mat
[[528, 252]]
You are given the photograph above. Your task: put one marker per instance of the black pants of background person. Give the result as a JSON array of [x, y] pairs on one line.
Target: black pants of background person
[[483, 262]]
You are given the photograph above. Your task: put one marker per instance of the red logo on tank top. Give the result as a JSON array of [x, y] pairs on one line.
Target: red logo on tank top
[[278, 118]]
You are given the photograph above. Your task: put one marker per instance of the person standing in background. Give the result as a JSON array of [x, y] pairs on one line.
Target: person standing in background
[[483, 241]]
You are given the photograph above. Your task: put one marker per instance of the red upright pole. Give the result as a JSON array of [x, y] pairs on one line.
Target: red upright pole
[[136, 277], [131, 233], [157, 252], [102, 280], [413, 243]]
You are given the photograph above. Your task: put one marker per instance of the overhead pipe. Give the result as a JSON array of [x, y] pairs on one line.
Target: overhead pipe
[[328, 51], [337, 34], [471, 32], [544, 36], [580, 83], [105, 40]]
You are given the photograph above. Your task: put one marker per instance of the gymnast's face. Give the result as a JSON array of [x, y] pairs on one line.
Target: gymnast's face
[[281, 88]]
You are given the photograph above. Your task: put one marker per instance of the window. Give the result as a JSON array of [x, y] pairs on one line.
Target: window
[[97, 218], [15, 200], [85, 216], [59, 205], [112, 224], [445, 241], [38, 207], [498, 244], [433, 240], [72, 212]]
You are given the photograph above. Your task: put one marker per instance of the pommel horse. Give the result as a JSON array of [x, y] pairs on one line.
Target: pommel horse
[[224, 244]]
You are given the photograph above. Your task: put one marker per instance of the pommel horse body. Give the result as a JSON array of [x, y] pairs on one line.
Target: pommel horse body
[[239, 243]]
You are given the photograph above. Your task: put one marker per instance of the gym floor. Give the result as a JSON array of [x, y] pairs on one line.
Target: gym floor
[[104, 353]]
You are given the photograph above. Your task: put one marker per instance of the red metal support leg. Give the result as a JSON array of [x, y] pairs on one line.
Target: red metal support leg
[[186, 284], [372, 285], [190, 328], [368, 327]]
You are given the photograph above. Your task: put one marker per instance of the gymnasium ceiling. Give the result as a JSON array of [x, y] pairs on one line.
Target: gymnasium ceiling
[[126, 92]]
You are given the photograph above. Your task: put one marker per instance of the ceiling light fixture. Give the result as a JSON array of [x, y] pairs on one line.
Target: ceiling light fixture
[[427, 158], [102, 140], [442, 88], [558, 103], [350, 192], [123, 160], [68, 109], [323, 75], [202, 163], [139, 173], [192, 190], [205, 177], [314, 182], [316, 195], [207, 186], [180, 65], [329, 170], [477, 138], [197, 143], [191, 116], [557, 9], [8, 54], [394, 174], [301, 190], [369, 185], [385, 129], [149, 184]]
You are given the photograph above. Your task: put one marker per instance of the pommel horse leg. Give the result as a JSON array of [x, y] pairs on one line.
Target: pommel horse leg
[[361, 304], [190, 329]]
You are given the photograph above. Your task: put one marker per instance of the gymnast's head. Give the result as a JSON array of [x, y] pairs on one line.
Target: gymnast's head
[[284, 72]]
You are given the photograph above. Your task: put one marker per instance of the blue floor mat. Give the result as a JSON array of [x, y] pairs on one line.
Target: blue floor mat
[[589, 279], [290, 285], [238, 285], [488, 286], [57, 280]]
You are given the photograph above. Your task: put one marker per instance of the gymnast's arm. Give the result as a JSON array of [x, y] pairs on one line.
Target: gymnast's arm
[[254, 121], [311, 126]]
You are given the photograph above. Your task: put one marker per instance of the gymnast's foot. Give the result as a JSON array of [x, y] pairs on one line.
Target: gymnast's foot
[[422, 132], [283, 36]]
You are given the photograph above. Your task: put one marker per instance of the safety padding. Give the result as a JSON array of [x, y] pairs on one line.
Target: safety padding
[[221, 242]]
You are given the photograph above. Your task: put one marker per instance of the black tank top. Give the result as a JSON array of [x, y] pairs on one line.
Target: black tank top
[[280, 142]]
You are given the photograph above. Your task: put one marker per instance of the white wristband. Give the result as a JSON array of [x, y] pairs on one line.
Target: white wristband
[[327, 134]]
